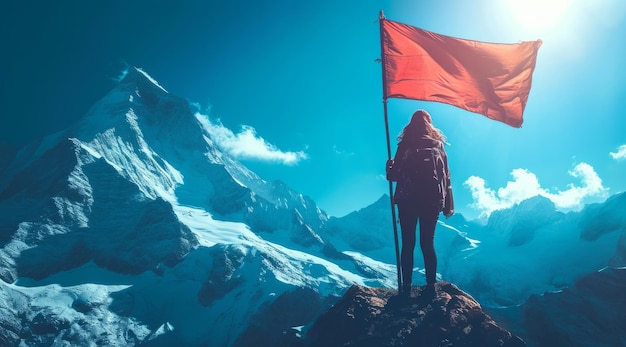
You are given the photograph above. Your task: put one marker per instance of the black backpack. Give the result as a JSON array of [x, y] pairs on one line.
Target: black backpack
[[422, 175]]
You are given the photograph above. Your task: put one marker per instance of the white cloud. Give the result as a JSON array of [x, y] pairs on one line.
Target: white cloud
[[620, 154], [247, 144], [526, 185], [572, 198]]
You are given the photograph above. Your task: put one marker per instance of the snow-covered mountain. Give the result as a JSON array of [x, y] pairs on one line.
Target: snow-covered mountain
[[133, 228], [135, 218], [532, 248]]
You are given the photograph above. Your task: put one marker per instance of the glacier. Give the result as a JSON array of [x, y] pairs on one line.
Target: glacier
[[133, 227]]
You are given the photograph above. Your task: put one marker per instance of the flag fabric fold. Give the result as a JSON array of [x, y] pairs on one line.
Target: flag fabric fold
[[492, 79]]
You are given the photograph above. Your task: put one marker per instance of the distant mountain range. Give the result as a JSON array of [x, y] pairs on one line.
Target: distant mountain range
[[132, 227]]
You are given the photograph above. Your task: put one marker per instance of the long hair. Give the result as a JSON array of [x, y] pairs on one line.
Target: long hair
[[421, 125]]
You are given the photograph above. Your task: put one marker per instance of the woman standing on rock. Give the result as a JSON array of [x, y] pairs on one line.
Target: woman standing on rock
[[423, 190]]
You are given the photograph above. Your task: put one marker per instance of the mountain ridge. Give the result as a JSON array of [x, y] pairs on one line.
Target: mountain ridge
[[134, 215]]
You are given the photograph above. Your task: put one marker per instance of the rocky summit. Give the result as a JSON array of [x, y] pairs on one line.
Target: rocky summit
[[442, 315]]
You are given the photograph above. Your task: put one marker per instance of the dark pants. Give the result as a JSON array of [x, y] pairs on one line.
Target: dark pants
[[409, 214]]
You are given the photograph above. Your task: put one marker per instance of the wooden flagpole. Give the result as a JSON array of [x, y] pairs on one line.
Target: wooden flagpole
[[381, 18]]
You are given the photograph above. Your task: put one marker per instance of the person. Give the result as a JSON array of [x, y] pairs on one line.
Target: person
[[412, 195]]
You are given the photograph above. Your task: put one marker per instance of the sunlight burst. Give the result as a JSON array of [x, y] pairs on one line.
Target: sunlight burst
[[538, 16]]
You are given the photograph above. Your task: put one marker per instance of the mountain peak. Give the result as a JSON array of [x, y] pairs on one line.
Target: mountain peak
[[140, 77], [443, 315], [522, 220]]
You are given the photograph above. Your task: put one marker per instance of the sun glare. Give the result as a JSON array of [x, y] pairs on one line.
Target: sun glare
[[538, 17]]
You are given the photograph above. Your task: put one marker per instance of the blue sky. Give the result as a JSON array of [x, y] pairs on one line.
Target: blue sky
[[292, 88]]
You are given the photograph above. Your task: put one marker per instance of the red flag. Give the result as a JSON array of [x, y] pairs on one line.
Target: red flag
[[492, 79]]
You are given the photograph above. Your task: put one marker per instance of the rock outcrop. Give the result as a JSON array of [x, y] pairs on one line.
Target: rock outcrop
[[442, 315]]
